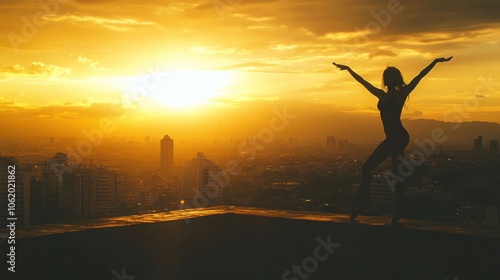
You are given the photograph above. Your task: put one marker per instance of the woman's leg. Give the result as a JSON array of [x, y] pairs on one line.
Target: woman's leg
[[381, 153], [399, 190]]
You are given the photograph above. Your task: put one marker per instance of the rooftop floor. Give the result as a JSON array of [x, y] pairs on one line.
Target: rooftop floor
[[250, 243]]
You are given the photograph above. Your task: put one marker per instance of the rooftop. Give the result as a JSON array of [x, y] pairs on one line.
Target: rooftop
[[251, 243]]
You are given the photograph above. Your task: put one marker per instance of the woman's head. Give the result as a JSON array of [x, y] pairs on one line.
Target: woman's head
[[392, 79]]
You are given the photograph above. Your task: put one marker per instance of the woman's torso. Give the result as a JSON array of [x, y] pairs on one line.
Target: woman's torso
[[390, 108]]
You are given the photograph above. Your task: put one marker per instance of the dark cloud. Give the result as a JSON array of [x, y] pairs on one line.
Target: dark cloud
[[325, 16]]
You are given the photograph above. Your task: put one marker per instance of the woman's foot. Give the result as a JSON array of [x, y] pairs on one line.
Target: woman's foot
[[398, 205], [353, 217], [395, 219], [356, 208]]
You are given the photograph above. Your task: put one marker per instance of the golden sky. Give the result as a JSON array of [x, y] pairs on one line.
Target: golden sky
[[67, 64]]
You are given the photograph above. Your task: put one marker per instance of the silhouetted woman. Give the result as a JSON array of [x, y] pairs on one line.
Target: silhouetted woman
[[390, 105]]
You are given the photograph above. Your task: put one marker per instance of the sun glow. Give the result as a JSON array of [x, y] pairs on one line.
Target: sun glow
[[184, 88]]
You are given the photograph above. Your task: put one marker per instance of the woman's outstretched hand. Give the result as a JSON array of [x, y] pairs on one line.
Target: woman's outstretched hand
[[340, 66], [442, 59]]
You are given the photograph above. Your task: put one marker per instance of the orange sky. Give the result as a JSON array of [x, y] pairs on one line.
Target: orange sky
[[67, 65]]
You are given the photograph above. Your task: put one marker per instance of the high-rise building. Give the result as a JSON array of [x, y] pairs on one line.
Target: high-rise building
[[74, 192], [51, 182], [88, 192], [331, 144], [148, 198], [494, 148], [14, 192], [379, 199], [36, 210], [478, 146], [440, 164], [166, 152], [202, 182], [343, 146], [103, 190], [77, 194]]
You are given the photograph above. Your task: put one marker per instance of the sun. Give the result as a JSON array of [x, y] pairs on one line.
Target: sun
[[191, 87]]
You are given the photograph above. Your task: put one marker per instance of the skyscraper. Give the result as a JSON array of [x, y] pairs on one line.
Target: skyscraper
[[51, 187], [104, 190], [77, 194], [331, 144], [494, 148], [478, 146], [343, 146], [201, 182], [379, 199], [166, 152]]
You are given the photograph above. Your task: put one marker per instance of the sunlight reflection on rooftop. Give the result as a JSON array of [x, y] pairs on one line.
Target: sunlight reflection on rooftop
[[193, 213]]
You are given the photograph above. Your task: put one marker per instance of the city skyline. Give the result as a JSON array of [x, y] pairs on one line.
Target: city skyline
[[60, 189]]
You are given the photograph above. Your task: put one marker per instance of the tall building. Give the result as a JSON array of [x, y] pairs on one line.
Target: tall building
[[36, 210], [343, 146], [440, 164], [331, 144], [201, 182], [88, 192], [103, 190], [478, 146], [166, 152], [379, 199], [148, 198], [51, 183], [14, 179], [77, 194], [494, 148], [74, 192]]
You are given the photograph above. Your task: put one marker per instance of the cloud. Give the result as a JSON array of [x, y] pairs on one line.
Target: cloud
[[35, 70], [94, 65], [118, 24], [326, 16], [381, 53], [57, 110], [364, 24]]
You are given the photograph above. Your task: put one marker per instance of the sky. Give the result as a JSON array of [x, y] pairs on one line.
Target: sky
[[154, 65]]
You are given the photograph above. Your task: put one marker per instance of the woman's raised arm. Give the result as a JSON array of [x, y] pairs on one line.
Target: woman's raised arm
[[373, 90], [411, 86]]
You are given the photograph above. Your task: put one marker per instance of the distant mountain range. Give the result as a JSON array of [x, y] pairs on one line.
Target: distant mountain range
[[458, 132], [322, 121], [369, 129]]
